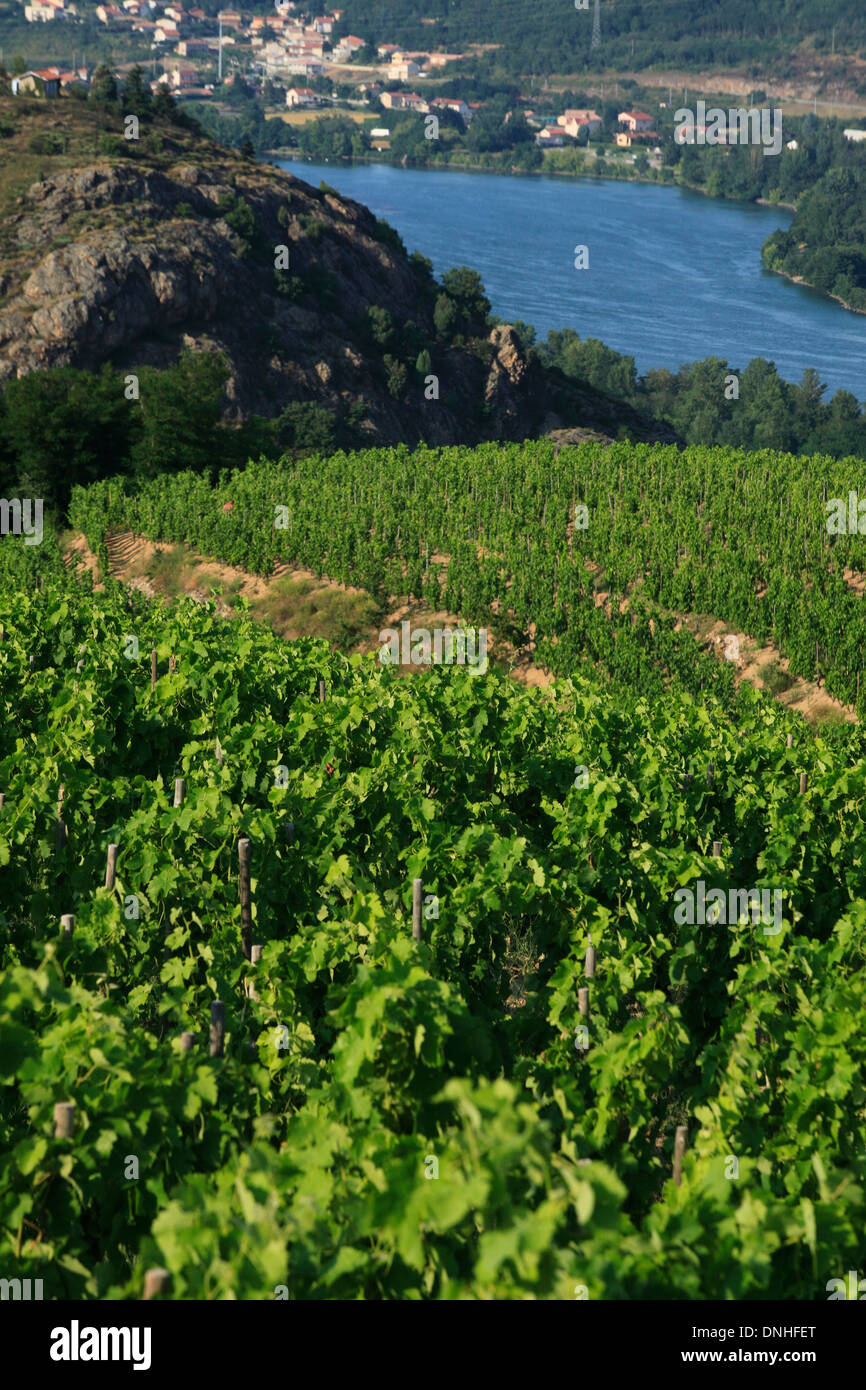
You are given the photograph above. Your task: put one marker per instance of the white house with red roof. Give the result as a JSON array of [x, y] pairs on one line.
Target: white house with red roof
[[635, 120]]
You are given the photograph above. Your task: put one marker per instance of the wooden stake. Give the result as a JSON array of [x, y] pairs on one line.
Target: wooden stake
[[172, 664], [789, 742], [250, 983], [583, 1002], [322, 691], [186, 1041], [64, 1119], [417, 891], [67, 922], [156, 1283], [2, 800], [589, 966], [246, 906], [153, 668], [219, 752], [179, 791], [803, 781], [62, 834], [717, 849], [110, 866], [679, 1150], [217, 1028]]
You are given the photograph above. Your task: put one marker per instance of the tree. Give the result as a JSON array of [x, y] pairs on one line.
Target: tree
[[445, 317], [137, 98], [180, 411], [62, 426], [103, 86], [465, 288]]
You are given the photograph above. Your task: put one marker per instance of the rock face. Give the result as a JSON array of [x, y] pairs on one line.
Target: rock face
[[129, 264]]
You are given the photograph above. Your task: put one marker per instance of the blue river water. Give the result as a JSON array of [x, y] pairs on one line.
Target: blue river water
[[672, 277]]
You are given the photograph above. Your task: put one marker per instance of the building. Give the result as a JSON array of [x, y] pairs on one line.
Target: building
[[43, 83], [403, 71], [627, 138], [387, 51], [302, 96], [578, 117], [348, 47], [180, 77], [455, 104], [108, 14], [550, 137], [635, 120], [855, 135], [403, 101]]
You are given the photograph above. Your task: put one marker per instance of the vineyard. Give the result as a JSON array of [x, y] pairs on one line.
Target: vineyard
[[531, 535], [321, 983]]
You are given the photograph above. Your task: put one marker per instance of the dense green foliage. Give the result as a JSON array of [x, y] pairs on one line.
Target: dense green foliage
[[825, 244], [63, 426], [380, 1126], [554, 35], [743, 537], [698, 399]]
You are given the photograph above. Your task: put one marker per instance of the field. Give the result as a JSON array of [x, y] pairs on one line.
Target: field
[[323, 983]]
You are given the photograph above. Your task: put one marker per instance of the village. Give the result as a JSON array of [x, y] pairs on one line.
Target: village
[[282, 53]]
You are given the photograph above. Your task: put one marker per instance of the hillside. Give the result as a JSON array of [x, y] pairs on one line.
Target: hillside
[[128, 251], [350, 987], [554, 36]]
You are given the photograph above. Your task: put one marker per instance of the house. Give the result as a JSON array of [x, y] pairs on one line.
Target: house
[[403, 101], [793, 145], [44, 83], [302, 96], [855, 135], [627, 138], [45, 10], [348, 47], [182, 77], [635, 120], [78, 78], [300, 67], [165, 31], [550, 137], [452, 104], [578, 116], [403, 71], [187, 48], [387, 50], [438, 60], [107, 14], [573, 128], [323, 24]]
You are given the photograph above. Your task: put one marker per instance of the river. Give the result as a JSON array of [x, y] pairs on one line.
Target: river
[[673, 276]]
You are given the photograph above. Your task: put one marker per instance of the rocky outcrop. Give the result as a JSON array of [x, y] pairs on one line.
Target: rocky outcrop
[[127, 263]]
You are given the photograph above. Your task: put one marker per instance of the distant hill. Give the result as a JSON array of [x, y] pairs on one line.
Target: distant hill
[[127, 252], [554, 36]]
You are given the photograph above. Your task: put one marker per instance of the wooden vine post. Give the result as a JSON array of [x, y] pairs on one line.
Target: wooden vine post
[[111, 866], [217, 1028], [64, 1119], [153, 668], [803, 783], [322, 691], [156, 1283], [179, 791], [250, 982], [417, 891], [717, 849], [67, 923], [589, 966], [61, 834], [679, 1150], [186, 1041], [246, 904]]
